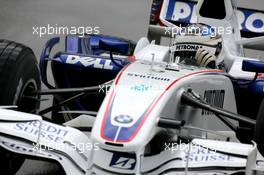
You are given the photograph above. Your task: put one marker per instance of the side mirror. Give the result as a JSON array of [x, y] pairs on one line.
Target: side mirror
[[114, 46], [253, 66]]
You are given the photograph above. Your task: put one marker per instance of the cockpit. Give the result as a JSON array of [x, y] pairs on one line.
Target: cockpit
[[195, 45]]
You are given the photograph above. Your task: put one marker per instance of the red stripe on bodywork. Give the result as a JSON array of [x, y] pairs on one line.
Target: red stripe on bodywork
[[194, 73], [110, 100], [119, 75], [151, 107]]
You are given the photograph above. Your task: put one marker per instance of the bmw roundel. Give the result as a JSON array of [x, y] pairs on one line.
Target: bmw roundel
[[124, 119]]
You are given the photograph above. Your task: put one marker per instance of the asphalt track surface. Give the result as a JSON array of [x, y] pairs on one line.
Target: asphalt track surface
[[124, 18]]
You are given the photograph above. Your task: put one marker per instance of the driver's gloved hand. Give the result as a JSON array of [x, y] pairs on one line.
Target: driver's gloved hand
[[205, 59]]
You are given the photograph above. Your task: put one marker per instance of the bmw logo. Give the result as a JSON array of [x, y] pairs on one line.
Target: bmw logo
[[124, 119], [260, 163]]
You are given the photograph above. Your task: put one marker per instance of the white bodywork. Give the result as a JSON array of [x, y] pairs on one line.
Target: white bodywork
[[144, 91], [78, 154], [146, 94]]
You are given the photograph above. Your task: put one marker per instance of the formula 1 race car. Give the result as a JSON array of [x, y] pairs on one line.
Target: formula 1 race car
[[194, 107]]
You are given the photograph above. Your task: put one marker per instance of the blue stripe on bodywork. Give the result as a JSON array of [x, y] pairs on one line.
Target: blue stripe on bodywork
[[110, 130]]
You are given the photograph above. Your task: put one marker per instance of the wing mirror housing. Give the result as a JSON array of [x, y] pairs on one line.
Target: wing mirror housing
[[120, 47], [253, 66]]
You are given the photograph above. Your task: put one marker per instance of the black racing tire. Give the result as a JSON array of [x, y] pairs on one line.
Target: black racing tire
[[259, 129], [19, 74]]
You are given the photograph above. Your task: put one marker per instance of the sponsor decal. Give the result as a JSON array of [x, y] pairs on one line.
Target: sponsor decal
[[251, 21], [141, 88], [196, 153], [124, 119], [187, 47], [127, 162], [28, 149], [152, 77], [192, 48], [215, 98], [92, 62], [184, 12], [47, 131], [206, 155]]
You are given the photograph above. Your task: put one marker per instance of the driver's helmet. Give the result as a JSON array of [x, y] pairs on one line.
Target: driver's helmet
[[191, 39]]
